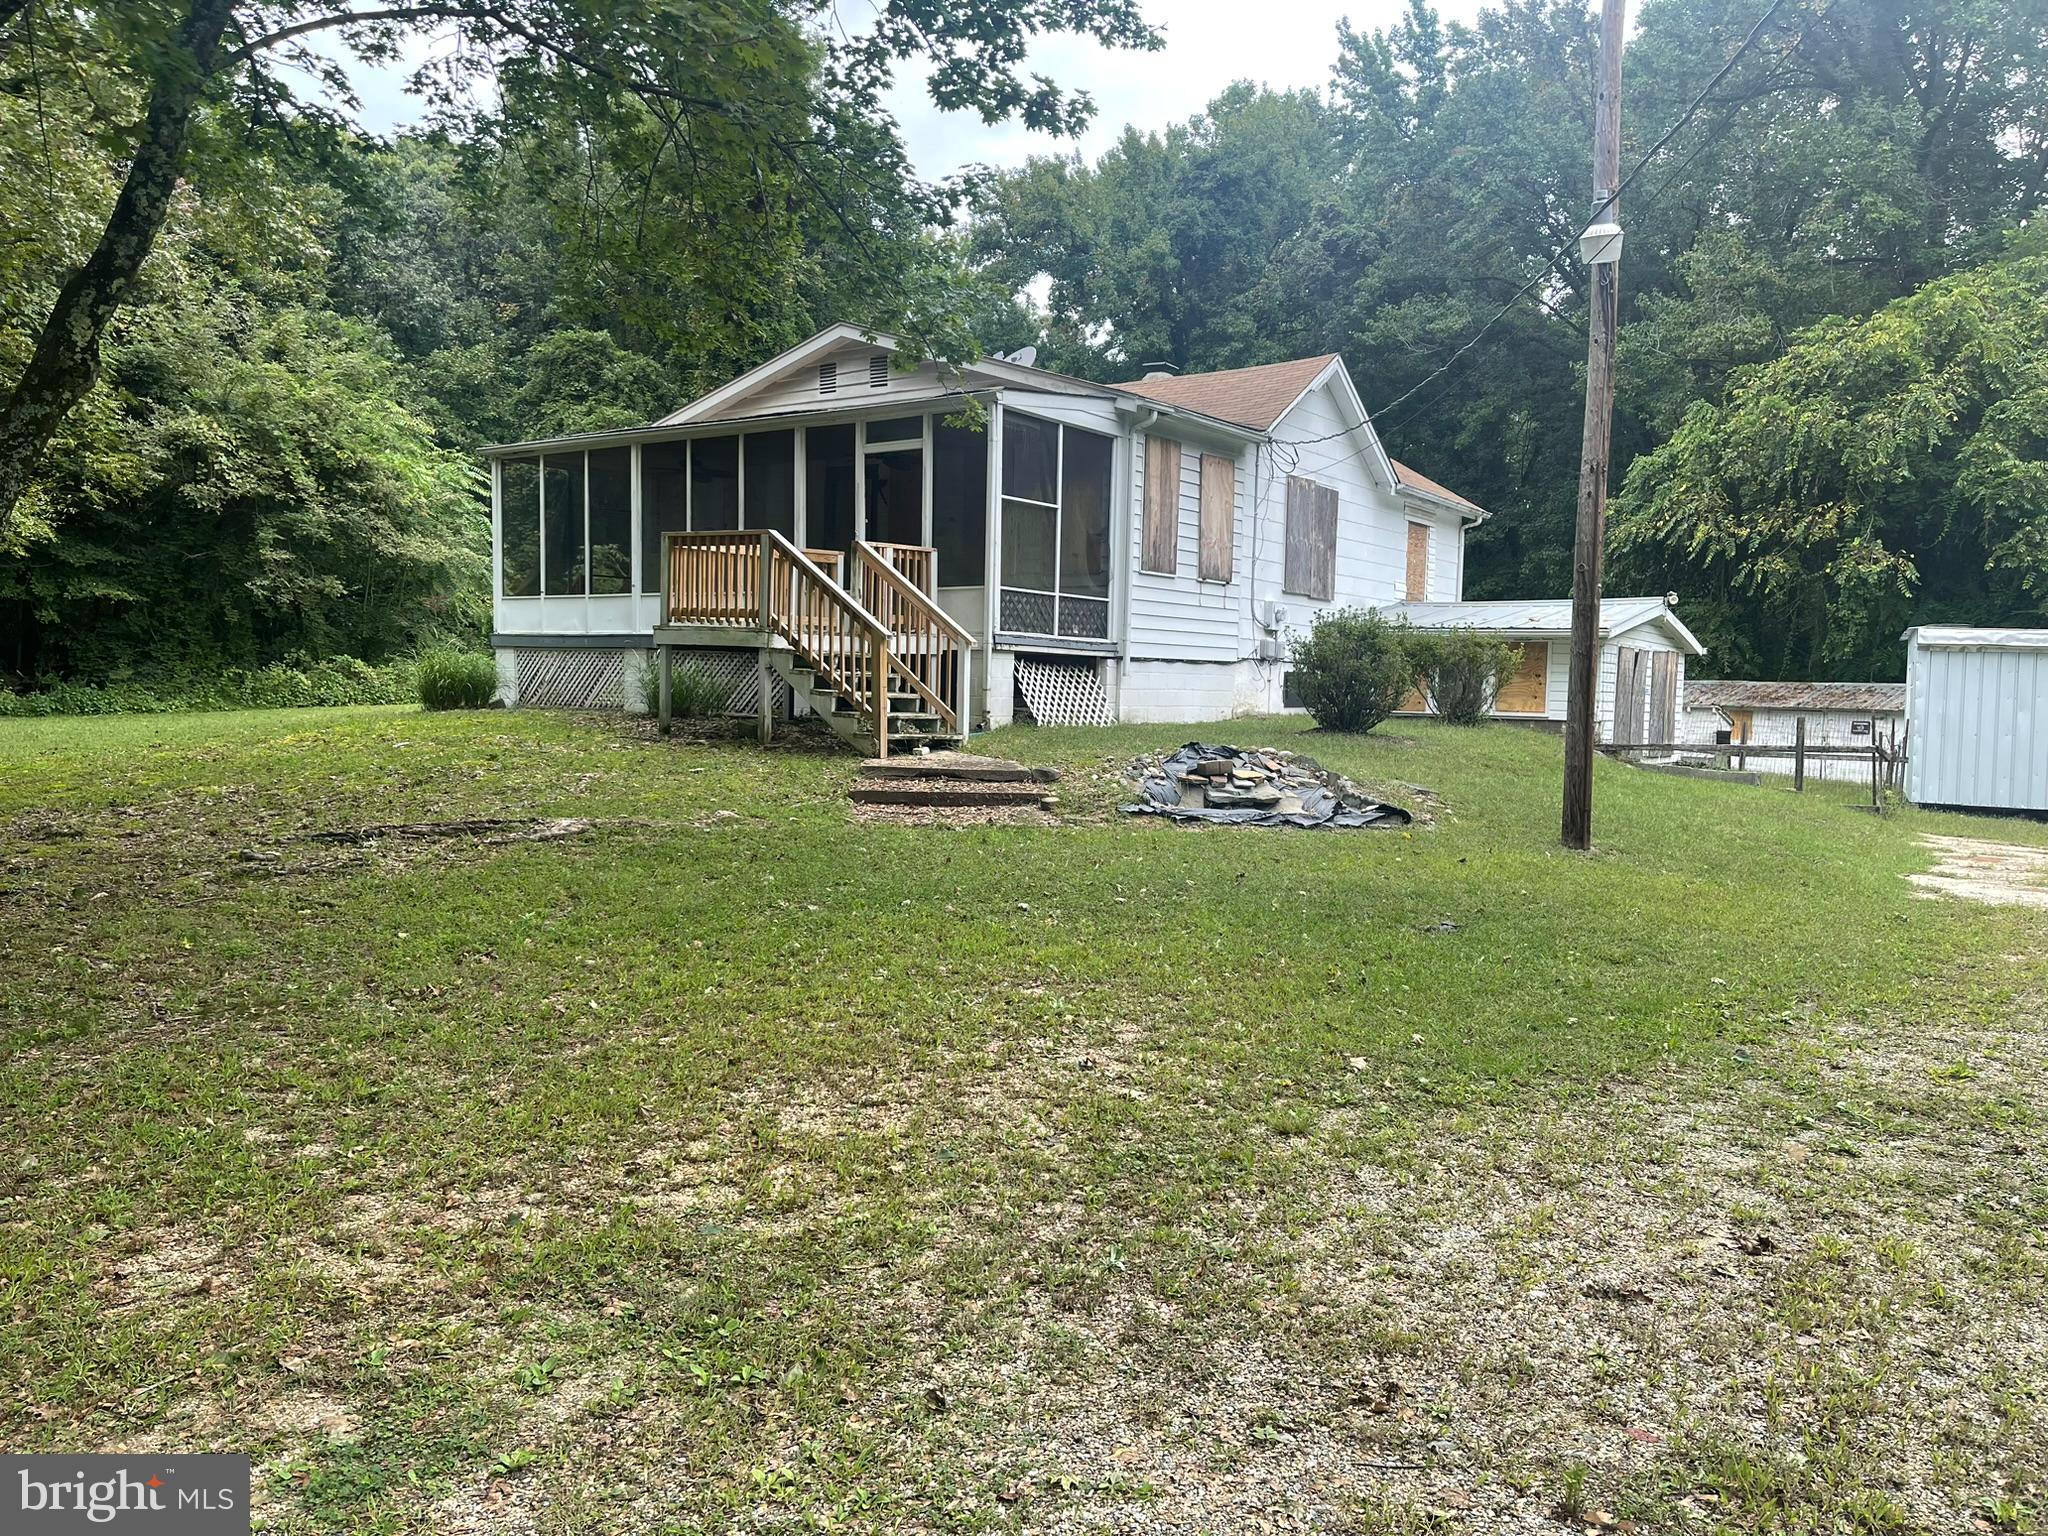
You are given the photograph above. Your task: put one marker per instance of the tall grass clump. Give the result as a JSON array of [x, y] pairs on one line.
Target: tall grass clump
[[452, 679]]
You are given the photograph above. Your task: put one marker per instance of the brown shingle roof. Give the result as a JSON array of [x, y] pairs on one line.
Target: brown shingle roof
[[1251, 397], [1421, 482], [1257, 397]]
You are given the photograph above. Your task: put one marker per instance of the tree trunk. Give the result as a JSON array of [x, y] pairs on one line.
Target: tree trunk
[[67, 355]]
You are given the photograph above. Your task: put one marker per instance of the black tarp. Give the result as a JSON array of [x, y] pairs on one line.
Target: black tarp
[[1263, 789]]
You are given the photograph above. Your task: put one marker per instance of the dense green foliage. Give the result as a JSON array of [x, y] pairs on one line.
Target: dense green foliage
[[1462, 672], [1877, 471], [1353, 668], [448, 678], [1860, 150], [276, 456], [297, 683], [273, 451]]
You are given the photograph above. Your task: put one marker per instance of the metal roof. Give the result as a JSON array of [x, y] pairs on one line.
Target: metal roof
[[1546, 616], [1742, 694], [1962, 637]]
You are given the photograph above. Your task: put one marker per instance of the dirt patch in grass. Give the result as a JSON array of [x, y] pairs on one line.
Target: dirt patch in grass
[[1998, 874]]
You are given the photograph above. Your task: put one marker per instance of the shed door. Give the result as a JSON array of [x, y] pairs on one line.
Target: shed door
[[1528, 691], [1631, 695], [1418, 563], [1740, 722], [1663, 696]]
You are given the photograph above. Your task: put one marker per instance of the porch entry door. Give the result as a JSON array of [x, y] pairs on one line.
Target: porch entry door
[[895, 492], [1055, 543]]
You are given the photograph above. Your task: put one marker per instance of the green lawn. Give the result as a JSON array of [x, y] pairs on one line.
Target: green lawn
[[731, 1163]]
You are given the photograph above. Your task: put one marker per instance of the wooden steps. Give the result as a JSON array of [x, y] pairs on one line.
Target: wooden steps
[[944, 780]]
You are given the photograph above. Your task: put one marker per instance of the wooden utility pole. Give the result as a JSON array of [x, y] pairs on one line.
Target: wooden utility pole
[[1601, 247]]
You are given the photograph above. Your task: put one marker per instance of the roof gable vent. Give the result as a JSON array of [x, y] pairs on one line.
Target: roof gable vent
[[878, 371], [828, 378]]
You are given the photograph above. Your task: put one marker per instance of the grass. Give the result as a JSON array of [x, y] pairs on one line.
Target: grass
[[677, 1153]]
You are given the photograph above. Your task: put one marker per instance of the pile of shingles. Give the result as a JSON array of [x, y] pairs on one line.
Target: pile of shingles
[[1255, 787], [953, 781]]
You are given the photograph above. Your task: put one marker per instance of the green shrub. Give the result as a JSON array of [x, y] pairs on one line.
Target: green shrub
[[452, 679], [1462, 672], [1353, 669], [695, 694], [295, 683]]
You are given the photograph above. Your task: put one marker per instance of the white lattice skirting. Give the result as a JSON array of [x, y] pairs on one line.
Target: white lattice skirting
[[739, 672], [1062, 692], [571, 679]]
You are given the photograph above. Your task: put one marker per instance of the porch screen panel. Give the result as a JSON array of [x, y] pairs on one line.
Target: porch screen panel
[[1031, 457], [960, 503], [828, 487], [664, 504], [519, 522], [895, 513], [771, 481], [1084, 535], [715, 484], [562, 553], [611, 521]]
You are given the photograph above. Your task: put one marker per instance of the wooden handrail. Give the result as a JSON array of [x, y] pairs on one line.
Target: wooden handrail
[[758, 579], [928, 648], [917, 564]]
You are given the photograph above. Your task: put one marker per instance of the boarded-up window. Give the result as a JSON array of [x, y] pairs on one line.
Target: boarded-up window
[[1311, 564], [1162, 505], [1663, 696], [1219, 504], [1417, 590], [1528, 691]]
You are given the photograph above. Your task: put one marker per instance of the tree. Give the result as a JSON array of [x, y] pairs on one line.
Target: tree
[[749, 89], [1882, 472]]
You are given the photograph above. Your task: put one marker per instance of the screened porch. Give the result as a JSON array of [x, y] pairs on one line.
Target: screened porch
[[581, 528]]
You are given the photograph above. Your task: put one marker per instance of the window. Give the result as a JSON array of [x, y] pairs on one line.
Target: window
[[1161, 543], [611, 521], [960, 503], [1055, 546], [1219, 516], [519, 524], [1528, 691], [771, 481], [1310, 567], [562, 531], [664, 504], [714, 484], [828, 487]]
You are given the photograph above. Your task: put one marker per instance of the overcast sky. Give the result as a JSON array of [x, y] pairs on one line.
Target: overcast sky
[[1209, 43]]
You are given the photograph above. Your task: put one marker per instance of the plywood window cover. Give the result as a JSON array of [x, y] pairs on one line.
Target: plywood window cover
[[1531, 683], [1160, 552], [1218, 525], [1310, 565]]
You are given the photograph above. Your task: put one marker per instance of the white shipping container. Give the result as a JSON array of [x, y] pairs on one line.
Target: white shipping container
[[1977, 714]]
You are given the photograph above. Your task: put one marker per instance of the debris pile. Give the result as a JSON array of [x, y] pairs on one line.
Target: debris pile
[[1257, 788]]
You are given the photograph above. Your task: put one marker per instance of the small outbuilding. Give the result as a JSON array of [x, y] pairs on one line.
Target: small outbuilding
[[1643, 651], [1768, 714], [1977, 717]]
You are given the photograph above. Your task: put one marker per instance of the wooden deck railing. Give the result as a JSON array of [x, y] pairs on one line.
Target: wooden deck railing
[[928, 649], [759, 580], [917, 564]]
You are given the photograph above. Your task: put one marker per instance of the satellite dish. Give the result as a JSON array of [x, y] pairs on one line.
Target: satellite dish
[[1025, 357]]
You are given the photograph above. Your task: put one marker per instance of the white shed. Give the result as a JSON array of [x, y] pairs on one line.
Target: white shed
[[1769, 714], [1977, 717]]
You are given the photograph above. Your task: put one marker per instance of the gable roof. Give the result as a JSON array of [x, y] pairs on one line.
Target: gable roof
[[1708, 694], [1546, 616], [1251, 397], [1258, 397]]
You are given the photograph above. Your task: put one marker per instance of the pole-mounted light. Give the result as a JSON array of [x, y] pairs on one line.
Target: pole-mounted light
[[1600, 245]]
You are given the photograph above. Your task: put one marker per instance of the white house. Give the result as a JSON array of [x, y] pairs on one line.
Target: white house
[[1768, 714], [910, 548]]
